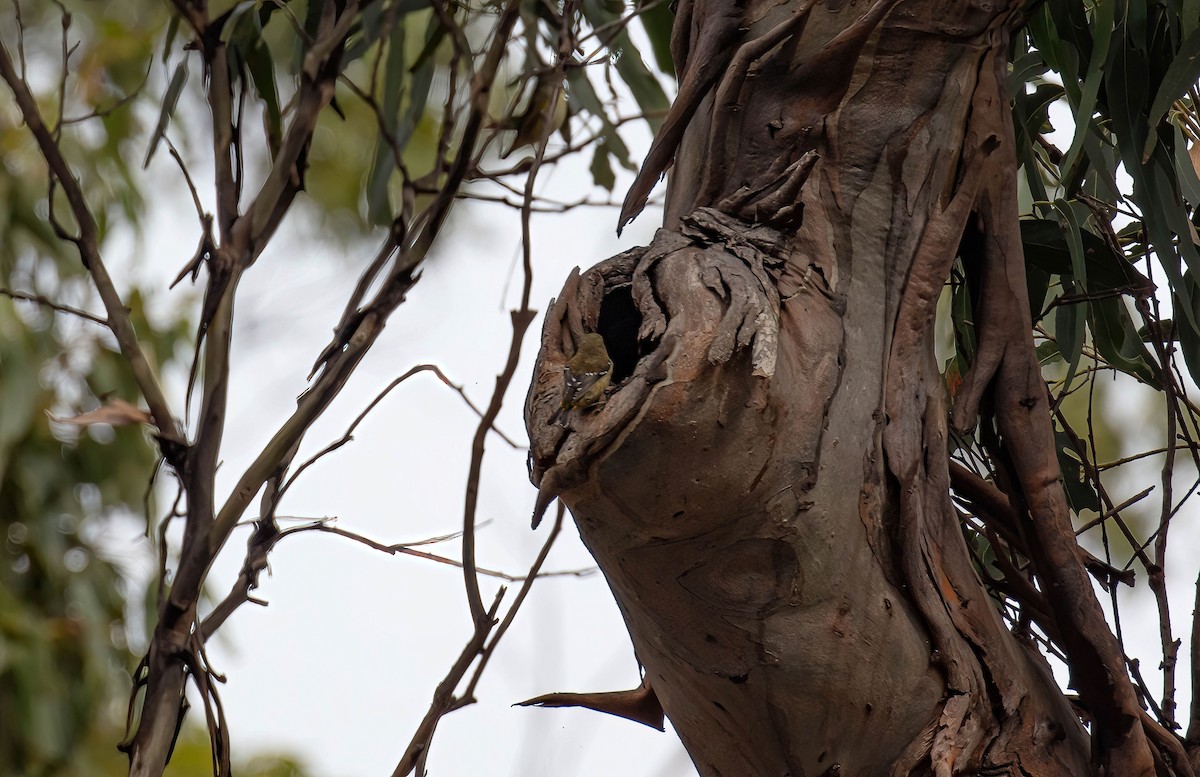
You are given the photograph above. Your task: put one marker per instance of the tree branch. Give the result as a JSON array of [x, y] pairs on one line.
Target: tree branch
[[49, 303]]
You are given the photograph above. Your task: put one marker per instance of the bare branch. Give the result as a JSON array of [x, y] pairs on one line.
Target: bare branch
[[363, 327], [186, 177], [535, 572], [49, 303], [443, 695], [349, 435], [409, 549]]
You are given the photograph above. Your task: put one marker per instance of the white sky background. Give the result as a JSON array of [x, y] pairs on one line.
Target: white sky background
[[340, 667]]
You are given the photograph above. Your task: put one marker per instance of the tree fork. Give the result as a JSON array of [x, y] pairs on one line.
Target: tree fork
[[767, 488]]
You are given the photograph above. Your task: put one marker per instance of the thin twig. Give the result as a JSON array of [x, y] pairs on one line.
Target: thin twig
[[49, 303], [1157, 575], [1110, 512], [443, 695], [409, 549], [120, 103], [186, 177], [349, 435], [468, 696]]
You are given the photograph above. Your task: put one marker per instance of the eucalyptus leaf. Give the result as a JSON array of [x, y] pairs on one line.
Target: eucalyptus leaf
[[170, 99], [1181, 75]]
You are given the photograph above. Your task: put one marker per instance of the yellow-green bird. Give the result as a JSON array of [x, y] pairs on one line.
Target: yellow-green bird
[[586, 376]]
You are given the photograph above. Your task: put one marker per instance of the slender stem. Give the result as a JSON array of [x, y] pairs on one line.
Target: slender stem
[[46, 302]]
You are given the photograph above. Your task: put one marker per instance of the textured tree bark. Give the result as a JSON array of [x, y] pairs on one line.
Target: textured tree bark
[[767, 487]]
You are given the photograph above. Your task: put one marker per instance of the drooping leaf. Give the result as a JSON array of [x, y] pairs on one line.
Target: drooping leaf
[[170, 99], [583, 95], [1189, 338], [261, 65], [395, 85], [1118, 343], [1104, 16], [1046, 248], [1081, 494], [1182, 74], [646, 89], [658, 19], [602, 172]]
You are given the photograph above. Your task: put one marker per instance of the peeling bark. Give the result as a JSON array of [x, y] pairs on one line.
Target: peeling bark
[[767, 487]]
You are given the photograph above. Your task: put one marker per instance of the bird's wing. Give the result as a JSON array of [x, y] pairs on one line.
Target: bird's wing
[[576, 384]]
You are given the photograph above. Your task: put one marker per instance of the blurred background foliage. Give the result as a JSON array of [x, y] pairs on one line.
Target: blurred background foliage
[[66, 644]]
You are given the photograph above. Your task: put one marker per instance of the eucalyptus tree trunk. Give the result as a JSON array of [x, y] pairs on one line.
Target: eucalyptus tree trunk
[[767, 487]]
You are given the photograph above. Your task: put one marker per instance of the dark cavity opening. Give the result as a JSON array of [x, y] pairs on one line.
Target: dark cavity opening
[[619, 324]]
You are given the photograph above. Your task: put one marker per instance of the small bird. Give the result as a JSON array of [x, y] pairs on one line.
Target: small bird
[[585, 377]]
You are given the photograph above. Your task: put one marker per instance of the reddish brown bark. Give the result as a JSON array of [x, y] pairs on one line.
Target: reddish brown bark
[[767, 488]]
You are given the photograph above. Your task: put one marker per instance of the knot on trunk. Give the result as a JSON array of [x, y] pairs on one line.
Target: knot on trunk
[[674, 313]]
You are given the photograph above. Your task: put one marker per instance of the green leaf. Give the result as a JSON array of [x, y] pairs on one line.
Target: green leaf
[[1058, 55], [1189, 17], [372, 26], [582, 96], [1189, 336], [1117, 341], [1048, 352], [1069, 332], [1037, 281], [169, 40], [645, 87], [1126, 75], [1025, 68], [1069, 324], [1081, 494], [1185, 171], [262, 75], [1069, 221], [657, 21], [641, 82], [422, 78], [1035, 107], [1166, 218], [1104, 17], [435, 33], [602, 172], [1046, 248], [1181, 75], [395, 76], [1071, 23], [170, 99]]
